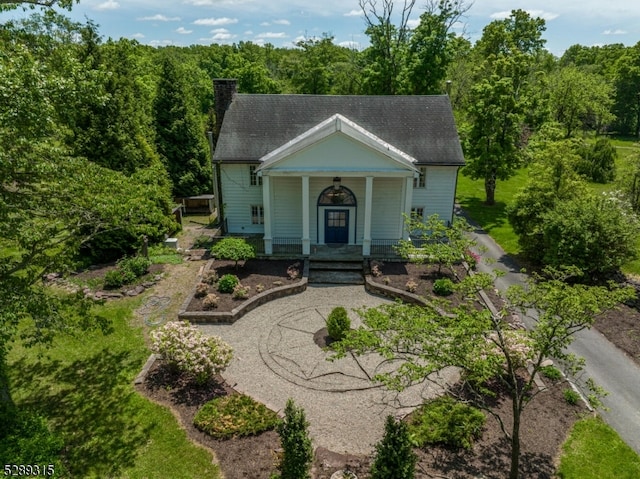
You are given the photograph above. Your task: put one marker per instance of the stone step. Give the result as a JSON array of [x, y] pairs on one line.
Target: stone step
[[336, 277], [336, 265]]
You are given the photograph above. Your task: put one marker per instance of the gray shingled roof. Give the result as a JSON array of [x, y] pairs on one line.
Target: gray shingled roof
[[421, 126]]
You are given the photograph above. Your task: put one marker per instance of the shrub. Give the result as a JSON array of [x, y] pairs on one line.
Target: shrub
[[338, 323], [211, 277], [278, 283], [297, 452], [202, 289], [236, 415], [259, 288], [446, 421], [116, 278], [443, 287], [386, 280], [210, 301], [551, 372], [235, 249], [138, 265], [182, 345], [411, 286], [293, 271], [571, 396], [598, 161], [394, 457], [240, 292], [227, 283]]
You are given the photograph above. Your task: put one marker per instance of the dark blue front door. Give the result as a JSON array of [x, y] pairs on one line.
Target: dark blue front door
[[336, 226]]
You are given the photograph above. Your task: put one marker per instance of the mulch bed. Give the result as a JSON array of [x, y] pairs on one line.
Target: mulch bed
[[255, 274], [621, 326], [546, 420]]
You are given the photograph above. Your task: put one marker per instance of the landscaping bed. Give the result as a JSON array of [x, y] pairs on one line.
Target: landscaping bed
[[546, 422], [621, 326]]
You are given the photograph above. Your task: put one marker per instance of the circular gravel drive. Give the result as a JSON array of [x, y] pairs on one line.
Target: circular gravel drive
[[276, 358]]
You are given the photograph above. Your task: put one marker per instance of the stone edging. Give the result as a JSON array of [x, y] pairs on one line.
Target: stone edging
[[230, 317]]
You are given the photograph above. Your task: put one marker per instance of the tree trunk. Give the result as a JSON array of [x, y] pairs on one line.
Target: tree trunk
[[515, 441], [490, 189]]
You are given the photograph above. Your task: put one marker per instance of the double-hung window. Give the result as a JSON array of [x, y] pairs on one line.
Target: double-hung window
[[254, 179], [257, 215], [421, 181]]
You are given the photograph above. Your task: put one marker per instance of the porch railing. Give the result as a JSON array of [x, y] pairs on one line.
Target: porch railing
[[384, 248], [289, 246]]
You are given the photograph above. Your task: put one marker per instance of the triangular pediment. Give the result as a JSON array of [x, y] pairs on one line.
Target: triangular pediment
[[331, 132]]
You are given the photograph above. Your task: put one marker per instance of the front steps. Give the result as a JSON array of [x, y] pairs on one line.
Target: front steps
[[336, 272]]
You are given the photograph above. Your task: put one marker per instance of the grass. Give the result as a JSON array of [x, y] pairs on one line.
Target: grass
[[493, 219], [84, 386], [595, 451]]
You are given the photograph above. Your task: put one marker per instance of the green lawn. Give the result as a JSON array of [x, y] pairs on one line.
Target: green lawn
[[470, 195], [595, 451], [84, 385]]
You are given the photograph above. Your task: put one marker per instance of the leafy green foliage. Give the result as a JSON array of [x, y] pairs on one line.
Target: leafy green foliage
[[438, 243], [227, 283], [296, 444], [443, 287], [128, 269], [571, 396], [551, 372], [446, 421], [235, 415], [598, 162], [235, 249], [597, 234], [394, 457], [338, 323]]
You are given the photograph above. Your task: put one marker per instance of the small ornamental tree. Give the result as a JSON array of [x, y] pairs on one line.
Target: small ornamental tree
[[235, 249], [485, 348], [297, 452], [183, 346], [338, 323], [394, 458], [440, 244]]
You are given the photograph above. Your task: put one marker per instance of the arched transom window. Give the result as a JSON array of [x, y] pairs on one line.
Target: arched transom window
[[337, 195]]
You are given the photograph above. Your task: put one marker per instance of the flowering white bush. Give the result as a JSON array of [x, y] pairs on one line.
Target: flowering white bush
[[180, 343]]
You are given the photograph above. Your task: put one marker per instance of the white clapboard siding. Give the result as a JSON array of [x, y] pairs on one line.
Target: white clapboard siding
[[387, 208], [286, 207], [439, 194], [238, 196]]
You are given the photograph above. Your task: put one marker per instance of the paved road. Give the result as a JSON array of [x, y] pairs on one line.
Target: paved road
[[608, 366]]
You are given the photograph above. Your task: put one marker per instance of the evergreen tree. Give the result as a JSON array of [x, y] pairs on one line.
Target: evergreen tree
[[395, 458], [296, 444], [180, 138]]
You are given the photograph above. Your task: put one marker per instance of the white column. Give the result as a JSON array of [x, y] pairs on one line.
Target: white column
[[306, 240], [368, 199], [266, 205], [408, 200]]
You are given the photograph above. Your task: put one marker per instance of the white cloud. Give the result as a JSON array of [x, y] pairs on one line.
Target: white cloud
[[183, 31], [219, 30], [534, 13], [352, 45], [138, 35], [354, 13], [282, 22], [265, 24], [160, 43], [272, 35], [615, 32], [213, 22], [413, 23], [249, 32], [160, 18], [108, 5]]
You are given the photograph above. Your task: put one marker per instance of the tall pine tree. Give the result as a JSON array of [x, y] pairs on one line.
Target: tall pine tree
[[180, 138]]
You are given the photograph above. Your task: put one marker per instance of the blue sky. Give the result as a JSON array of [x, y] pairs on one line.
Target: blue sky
[[284, 22]]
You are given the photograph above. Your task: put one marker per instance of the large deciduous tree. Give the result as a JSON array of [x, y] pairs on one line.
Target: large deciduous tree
[[507, 51], [432, 47]]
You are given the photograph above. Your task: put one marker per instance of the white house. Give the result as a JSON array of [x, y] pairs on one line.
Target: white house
[[315, 170]]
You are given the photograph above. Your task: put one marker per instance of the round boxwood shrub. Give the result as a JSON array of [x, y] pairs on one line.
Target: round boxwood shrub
[[227, 283], [443, 287], [338, 323], [236, 415]]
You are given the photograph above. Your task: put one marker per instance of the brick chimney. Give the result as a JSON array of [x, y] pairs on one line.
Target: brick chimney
[[224, 89]]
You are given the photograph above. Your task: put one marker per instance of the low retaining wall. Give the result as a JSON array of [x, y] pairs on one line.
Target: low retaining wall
[[230, 317]]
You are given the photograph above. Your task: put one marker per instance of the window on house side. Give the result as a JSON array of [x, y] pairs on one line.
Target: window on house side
[[257, 215], [254, 179], [419, 212], [421, 182]]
